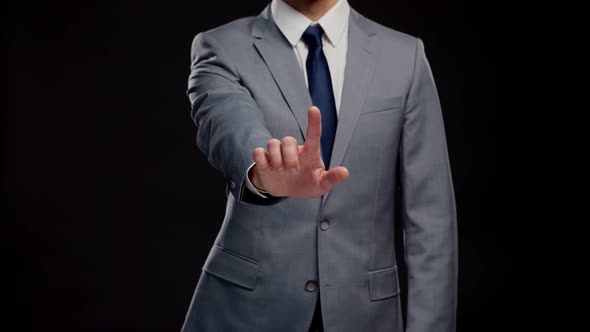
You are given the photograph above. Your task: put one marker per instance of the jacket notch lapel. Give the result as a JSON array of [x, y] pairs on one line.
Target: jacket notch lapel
[[281, 61], [360, 66]]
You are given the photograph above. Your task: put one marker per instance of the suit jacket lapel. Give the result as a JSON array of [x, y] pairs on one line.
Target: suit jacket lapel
[[359, 69], [358, 72], [277, 53]]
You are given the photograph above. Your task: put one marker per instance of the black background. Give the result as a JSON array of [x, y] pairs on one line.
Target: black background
[[112, 209]]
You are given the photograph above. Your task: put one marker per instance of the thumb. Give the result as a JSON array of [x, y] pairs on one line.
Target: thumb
[[330, 179]]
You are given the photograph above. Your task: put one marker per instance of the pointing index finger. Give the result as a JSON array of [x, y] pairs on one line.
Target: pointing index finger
[[314, 129]]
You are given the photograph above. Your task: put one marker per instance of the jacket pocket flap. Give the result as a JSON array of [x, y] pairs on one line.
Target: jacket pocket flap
[[232, 267], [380, 104], [383, 283]]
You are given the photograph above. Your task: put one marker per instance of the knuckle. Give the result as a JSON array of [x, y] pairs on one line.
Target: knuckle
[[273, 142], [258, 157], [289, 140], [291, 164]]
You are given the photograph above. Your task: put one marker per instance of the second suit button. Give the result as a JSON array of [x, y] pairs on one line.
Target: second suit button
[[324, 224], [311, 285]]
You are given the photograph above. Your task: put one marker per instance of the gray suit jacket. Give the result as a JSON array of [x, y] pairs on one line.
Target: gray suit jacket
[[246, 87]]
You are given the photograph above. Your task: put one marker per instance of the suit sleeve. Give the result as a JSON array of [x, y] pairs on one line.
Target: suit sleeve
[[429, 213], [229, 123]]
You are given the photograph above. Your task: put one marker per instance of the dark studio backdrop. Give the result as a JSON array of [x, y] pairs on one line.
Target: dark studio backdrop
[[109, 209]]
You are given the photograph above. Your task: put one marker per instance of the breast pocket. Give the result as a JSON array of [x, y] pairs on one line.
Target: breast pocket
[[382, 104]]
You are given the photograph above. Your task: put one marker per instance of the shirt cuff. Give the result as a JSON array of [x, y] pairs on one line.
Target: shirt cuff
[[251, 187]]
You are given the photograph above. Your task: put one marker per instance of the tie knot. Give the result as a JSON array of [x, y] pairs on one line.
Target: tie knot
[[312, 36]]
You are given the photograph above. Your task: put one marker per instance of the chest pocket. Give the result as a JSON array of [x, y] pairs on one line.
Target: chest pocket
[[376, 104]]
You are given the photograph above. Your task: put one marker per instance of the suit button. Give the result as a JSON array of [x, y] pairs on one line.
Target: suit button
[[232, 185], [324, 224], [311, 285]]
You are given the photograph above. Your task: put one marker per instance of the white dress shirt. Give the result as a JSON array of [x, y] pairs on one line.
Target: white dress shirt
[[292, 24]]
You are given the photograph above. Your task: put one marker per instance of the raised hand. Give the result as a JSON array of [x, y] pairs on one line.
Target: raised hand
[[289, 169]]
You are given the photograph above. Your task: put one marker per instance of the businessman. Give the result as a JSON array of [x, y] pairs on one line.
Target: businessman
[[308, 110]]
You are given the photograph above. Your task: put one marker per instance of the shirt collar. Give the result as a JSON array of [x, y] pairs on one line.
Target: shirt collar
[[292, 23]]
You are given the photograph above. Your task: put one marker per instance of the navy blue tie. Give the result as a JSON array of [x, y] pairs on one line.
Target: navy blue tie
[[320, 88]]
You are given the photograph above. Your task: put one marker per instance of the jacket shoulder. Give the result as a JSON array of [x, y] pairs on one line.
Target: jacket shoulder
[[230, 33], [387, 35]]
